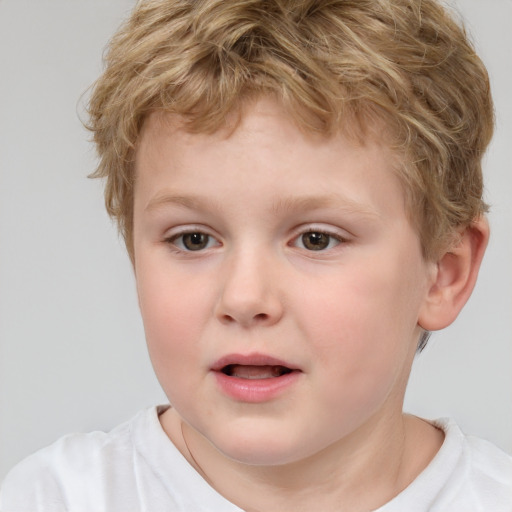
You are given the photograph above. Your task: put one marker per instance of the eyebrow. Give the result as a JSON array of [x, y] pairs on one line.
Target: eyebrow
[[287, 204], [190, 202], [331, 201]]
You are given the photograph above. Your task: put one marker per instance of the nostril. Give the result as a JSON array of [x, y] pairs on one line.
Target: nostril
[[228, 318], [259, 318]]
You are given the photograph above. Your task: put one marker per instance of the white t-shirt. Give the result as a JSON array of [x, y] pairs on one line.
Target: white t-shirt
[[135, 468]]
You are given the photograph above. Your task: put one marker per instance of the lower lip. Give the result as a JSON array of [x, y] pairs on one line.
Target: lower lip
[[255, 390]]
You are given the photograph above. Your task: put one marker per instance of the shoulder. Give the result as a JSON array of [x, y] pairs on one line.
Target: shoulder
[[482, 473], [488, 466], [61, 473], [75, 452], [467, 474], [133, 468]]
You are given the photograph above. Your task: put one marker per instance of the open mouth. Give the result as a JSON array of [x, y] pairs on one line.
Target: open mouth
[[255, 377], [242, 371]]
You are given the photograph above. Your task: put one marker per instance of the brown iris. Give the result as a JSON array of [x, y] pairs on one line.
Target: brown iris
[[315, 241], [195, 241]]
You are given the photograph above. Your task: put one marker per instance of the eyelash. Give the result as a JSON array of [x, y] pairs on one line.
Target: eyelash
[[311, 230]]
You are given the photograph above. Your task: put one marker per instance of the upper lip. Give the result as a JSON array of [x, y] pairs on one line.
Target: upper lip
[[254, 359]]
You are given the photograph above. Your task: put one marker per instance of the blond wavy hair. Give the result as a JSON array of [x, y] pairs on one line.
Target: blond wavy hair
[[334, 65]]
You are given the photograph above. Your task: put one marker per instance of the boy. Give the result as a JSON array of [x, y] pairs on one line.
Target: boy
[[299, 187]]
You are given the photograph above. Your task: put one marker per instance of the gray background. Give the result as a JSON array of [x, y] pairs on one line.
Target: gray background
[[72, 352]]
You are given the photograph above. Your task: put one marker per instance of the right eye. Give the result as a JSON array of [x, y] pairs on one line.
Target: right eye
[[193, 241]]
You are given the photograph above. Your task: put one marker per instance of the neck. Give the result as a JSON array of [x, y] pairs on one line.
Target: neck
[[360, 472]]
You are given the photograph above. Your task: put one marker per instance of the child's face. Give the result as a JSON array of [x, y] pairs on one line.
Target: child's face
[[265, 249]]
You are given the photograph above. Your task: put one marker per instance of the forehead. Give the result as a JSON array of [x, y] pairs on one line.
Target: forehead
[[252, 112], [263, 148]]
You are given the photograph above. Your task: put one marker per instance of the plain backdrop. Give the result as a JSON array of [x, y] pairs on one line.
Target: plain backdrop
[[72, 350]]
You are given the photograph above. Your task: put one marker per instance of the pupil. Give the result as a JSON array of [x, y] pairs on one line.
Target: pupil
[[195, 241], [315, 241]]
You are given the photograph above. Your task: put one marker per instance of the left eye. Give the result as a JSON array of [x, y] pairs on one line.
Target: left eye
[[317, 241], [193, 241]]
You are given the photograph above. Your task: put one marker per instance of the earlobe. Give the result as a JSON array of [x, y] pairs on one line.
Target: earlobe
[[455, 277]]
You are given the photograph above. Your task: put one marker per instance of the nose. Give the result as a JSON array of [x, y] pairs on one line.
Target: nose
[[249, 293]]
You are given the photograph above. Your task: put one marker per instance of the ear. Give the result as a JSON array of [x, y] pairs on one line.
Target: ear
[[454, 277]]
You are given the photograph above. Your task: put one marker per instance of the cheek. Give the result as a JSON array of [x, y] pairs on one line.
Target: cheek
[[362, 309], [173, 318], [363, 330]]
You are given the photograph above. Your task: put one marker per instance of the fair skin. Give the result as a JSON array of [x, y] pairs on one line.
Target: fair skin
[[283, 291]]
